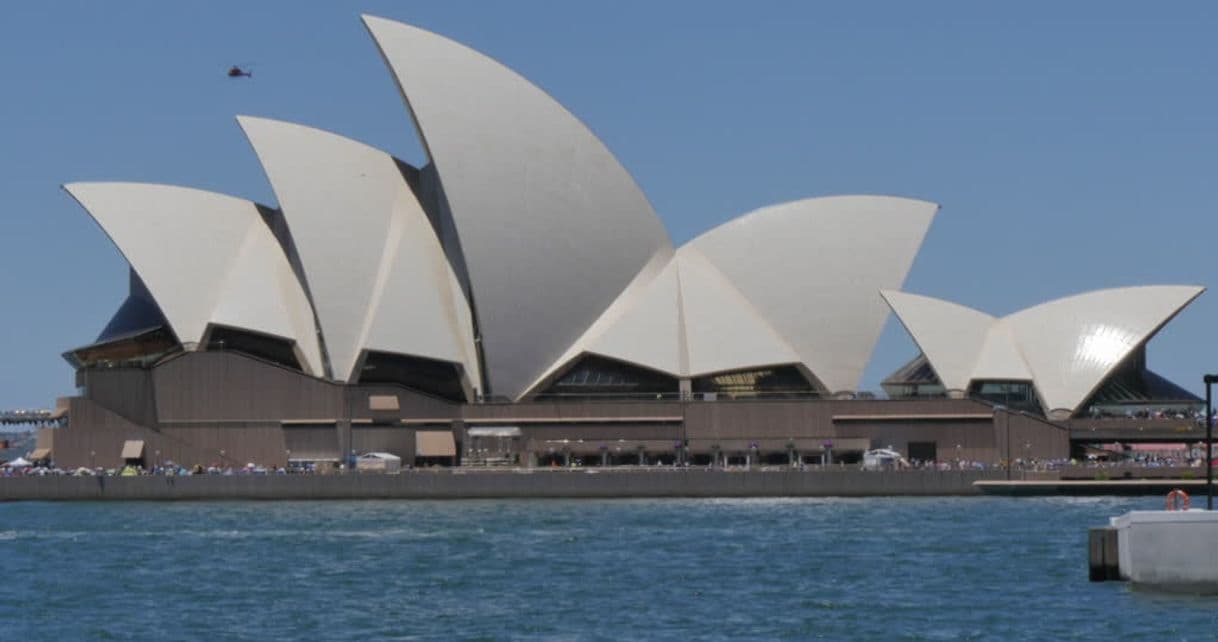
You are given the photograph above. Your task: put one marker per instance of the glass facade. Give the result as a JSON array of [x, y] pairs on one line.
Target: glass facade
[[1132, 391], [261, 346], [430, 376], [915, 379], [136, 350], [775, 381], [1016, 395], [595, 377]]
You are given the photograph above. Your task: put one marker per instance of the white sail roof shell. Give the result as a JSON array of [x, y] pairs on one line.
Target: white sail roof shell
[[645, 327], [812, 269], [552, 228], [950, 335], [1066, 347], [790, 284], [1001, 356], [205, 258], [1072, 344], [687, 321], [723, 330], [375, 267]]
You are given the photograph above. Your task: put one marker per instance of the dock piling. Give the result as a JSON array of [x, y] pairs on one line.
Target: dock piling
[[1103, 557]]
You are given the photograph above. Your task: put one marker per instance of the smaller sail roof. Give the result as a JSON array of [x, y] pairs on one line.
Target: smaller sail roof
[[1072, 343], [811, 268], [723, 330], [376, 269], [646, 328], [950, 335], [205, 258], [1066, 347]]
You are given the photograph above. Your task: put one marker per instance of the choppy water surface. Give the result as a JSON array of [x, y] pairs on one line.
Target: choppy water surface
[[866, 569]]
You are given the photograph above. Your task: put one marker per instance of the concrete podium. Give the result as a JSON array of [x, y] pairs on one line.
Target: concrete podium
[[1169, 550]]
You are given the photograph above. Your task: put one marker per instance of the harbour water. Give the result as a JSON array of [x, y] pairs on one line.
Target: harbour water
[[851, 569]]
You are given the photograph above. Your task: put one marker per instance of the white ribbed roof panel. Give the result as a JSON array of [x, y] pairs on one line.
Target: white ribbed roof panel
[[205, 258], [950, 335], [723, 330], [1072, 344], [376, 270], [647, 331], [1000, 357], [552, 228], [813, 270], [1066, 347], [642, 326]]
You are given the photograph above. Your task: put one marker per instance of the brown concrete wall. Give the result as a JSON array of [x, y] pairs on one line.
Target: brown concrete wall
[[199, 404], [457, 484], [227, 386], [607, 432], [95, 437], [784, 420], [573, 410], [974, 438], [411, 405], [124, 391], [809, 418], [1029, 437], [230, 444]]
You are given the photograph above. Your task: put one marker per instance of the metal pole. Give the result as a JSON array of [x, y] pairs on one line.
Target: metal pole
[[1209, 444]]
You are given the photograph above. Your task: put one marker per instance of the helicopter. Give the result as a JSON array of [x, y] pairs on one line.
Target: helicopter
[[237, 72]]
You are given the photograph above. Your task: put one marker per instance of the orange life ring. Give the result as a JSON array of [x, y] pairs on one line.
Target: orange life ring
[[1178, 500]]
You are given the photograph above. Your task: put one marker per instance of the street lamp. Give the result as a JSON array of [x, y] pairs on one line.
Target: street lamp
[[1210, 379]]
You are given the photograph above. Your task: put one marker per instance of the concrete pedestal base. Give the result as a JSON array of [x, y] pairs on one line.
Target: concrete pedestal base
[[1169, 550]]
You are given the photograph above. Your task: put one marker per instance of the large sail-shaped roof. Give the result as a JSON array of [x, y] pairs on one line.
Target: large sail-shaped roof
[[1066, 347], [795, 283], [205, 258], [1072, 344], [376, 270], [813, 269], [552, 228]]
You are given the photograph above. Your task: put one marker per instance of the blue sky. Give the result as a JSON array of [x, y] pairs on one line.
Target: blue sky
[[1071, 145]]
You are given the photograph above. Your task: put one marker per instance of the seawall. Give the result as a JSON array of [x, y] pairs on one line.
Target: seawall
[[505, 484]]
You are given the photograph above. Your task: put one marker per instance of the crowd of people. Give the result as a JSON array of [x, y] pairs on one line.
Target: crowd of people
[[168, 469], [1158, 414]]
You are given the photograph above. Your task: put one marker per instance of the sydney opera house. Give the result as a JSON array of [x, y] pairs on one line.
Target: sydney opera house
[[517, 300]]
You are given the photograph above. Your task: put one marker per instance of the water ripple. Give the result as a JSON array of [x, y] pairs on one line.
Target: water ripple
[[793, 569]]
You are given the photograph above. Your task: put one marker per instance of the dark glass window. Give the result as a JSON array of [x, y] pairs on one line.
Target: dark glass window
[[777, 381], [261, 346], [600, 377], [430, 376], [1133, 391], [914, 379], [1016, 395], [137, 350]]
